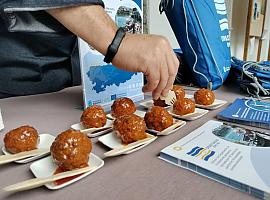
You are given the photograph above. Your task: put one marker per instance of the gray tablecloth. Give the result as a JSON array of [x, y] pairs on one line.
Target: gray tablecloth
[[140, 175]]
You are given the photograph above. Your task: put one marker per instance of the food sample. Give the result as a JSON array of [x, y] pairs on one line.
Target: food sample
[[160, 103], [93, 117], [70, 150], [183, 107], [130, 128], [179, 92], [158, 119], [204, 96], [123, 106], [24, 138]]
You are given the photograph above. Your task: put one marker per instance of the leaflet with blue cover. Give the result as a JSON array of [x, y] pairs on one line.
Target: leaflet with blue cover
[[249, 112]]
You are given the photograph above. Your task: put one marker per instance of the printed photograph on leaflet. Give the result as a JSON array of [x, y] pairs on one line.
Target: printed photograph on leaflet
[[129, 18], [102, 82], [242, 135], [231, 151]]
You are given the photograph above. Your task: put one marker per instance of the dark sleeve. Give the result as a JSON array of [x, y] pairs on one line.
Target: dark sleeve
[[33, 5], [25, 15]]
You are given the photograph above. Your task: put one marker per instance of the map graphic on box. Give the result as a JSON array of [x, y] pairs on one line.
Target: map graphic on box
[[230, 154], [102, 82], [249, 112]]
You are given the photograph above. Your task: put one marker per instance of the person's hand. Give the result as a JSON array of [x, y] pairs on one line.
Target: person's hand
[[149, 54], [152, 55]]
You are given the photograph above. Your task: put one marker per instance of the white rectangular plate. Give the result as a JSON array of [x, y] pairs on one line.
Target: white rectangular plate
[[94, 132], [112, 141], [46, 167], [1, 121], [215, 105], [198, 113], [45, 142], [137, 112], [150, 103], [177, 124]]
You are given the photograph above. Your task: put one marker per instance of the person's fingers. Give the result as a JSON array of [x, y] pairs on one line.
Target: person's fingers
[[152, 80], [169, 86], [173, 69], [176, 62], [171, 73], [150, 86], [162, 81]]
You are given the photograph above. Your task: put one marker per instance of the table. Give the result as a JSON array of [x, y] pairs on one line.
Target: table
[[140, 175]]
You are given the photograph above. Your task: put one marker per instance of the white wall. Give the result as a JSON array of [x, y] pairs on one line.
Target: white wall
[[238, 27], [265, 44], [240, 9], [158, 23]]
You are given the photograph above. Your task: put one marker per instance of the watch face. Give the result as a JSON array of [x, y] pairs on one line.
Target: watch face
[[129, 17]]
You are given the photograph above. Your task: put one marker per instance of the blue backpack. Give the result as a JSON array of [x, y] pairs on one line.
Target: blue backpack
[[201, 28]]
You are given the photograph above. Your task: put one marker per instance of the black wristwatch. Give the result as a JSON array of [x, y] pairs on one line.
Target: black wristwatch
[[114, 46]]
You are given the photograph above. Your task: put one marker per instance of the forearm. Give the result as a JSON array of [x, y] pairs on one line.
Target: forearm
[[89, 22], [149, 54]]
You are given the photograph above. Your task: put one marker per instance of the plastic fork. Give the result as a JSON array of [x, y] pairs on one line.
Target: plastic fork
[[170, 99]]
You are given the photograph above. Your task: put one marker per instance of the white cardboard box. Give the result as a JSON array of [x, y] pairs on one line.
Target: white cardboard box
[[102, 82]]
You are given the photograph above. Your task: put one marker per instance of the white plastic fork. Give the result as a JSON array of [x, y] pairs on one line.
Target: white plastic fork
[[170, 99]]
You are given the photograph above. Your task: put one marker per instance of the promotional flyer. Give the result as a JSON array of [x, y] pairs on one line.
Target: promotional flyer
[[225, 153]]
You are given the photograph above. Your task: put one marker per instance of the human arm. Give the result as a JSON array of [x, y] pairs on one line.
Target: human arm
[[143, 53], [149, 54]]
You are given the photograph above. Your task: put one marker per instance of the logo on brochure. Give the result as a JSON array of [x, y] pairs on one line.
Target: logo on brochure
[[201, 153]]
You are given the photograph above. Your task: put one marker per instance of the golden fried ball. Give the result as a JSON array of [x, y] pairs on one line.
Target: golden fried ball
[[70, 150], [204, 96], [130, 128], [94, 117], [158, 118], [24, 138], [184, 106], [179, 92], [123, 106]]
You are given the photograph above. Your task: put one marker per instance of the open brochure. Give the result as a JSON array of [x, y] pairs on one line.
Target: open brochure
[[229, 154]]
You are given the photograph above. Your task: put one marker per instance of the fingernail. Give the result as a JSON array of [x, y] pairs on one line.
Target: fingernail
[[165, 93]]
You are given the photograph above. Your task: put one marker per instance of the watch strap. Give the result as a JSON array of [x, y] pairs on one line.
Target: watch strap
[[114, 46]]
